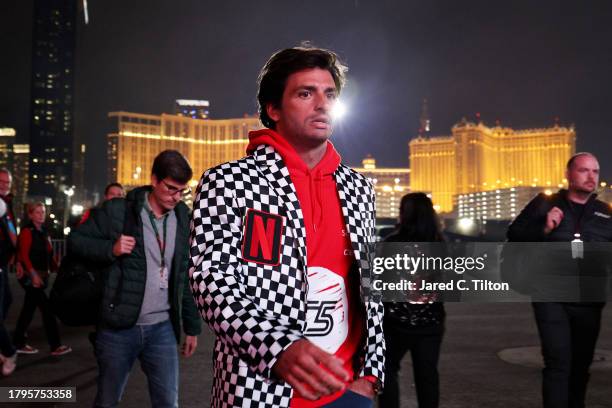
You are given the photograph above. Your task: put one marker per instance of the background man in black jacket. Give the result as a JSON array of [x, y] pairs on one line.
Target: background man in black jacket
[[568, 331]]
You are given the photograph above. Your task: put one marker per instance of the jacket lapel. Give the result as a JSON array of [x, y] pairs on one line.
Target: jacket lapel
[[349, 200], [276, 173]]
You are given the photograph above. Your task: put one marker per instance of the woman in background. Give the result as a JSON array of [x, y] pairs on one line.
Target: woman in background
[[35, 253], [415, 327]]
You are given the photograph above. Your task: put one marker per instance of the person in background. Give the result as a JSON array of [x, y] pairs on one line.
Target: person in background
[[113, 190], [410, 326], [8, 246], [146, 301], [36, 256], [568, 330]]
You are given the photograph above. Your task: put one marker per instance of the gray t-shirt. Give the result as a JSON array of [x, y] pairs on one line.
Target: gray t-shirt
[[155, 305]]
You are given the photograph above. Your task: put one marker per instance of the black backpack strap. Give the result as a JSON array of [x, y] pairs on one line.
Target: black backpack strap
[[129, 219]]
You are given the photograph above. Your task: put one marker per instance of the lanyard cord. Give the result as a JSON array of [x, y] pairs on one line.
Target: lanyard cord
[[161, 242]]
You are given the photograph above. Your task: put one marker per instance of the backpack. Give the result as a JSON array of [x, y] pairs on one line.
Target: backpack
[[78, 288]]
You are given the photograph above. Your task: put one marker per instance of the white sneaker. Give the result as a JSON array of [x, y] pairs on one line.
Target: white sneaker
[[10, 363]]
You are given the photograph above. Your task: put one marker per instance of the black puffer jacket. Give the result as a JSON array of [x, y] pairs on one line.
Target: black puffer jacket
[[94, 240], [554, 272], [595, 225]]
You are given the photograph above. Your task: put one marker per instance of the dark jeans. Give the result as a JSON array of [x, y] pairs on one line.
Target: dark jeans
[[351, 399], [117, 350], [424, 345], [6, 346], [36, 297], [568, 334]]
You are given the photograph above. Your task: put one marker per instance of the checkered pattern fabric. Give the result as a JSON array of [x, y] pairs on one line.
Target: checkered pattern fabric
[[258, 310]]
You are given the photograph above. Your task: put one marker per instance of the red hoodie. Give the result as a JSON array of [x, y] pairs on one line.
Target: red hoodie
[[331, 294]]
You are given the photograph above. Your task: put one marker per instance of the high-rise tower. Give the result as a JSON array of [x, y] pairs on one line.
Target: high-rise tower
[[52, 96]]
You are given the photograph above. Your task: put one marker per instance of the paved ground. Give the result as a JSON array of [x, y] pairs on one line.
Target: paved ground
[[480, 339]]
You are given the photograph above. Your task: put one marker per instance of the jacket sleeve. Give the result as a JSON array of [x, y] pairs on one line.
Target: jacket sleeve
[[530, 223], [374, 365], [215, 270], [24, 243], [192, 324], [92, 239]]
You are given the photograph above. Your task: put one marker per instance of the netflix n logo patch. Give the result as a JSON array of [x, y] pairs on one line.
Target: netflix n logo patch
[[262, 237]]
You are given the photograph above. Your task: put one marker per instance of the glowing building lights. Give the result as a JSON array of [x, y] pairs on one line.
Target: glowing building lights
[[478, 158]]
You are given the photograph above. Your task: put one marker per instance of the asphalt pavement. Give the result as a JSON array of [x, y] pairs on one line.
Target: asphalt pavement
[[490, 358]]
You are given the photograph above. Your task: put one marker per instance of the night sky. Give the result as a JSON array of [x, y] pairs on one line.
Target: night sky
[[521, 62]]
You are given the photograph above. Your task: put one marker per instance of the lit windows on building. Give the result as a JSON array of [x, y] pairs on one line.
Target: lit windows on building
[[138, 138], [505, 205], [478, 158], [390, 185]]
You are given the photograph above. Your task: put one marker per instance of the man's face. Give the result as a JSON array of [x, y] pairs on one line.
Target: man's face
[[167, 192], [304, 116], [583, 176], [113, 192], [5, 183]]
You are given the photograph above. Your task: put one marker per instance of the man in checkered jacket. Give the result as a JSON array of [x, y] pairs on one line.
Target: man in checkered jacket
[[279, 252]]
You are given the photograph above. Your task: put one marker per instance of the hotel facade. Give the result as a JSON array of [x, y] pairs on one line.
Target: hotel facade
[[477, 158], [140, 137], [390, 185]]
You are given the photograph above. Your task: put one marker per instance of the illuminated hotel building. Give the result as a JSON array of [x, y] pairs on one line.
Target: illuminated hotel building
[[605, 193], [20, 168], [7, 139], [15, 157], [499, 204], [477, 158], [140, 137], [390, 184], [506, 203]]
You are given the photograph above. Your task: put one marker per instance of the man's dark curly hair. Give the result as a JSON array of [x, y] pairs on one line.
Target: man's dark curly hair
[[273, 76]]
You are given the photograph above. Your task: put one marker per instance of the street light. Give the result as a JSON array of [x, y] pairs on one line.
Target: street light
[[77, 209], [69, 193]]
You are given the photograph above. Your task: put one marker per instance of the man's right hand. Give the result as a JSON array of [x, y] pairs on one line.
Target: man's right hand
[[553, 219], [124, 245], [311, 372], [36, 281]]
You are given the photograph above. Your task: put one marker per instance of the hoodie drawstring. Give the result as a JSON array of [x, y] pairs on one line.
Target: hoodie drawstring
[[316, 198]]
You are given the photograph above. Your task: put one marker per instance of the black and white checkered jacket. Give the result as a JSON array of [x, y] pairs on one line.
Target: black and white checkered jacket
[[258, 310]]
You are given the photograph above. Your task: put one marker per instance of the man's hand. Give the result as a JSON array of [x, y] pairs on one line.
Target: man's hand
[[189, 346], [363, 387], [124, 245], [553, 219], [311, 371], [36, 280], [19, 272]]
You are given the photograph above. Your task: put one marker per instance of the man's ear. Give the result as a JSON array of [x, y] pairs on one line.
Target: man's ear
[[273, 112], [154, 180]]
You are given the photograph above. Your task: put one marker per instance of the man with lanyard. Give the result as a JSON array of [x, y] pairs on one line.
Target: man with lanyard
[[568, 330], [146, 299], [279, 247], [8, 246]]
